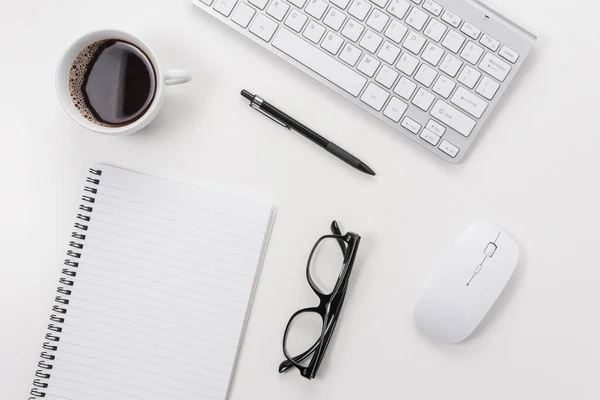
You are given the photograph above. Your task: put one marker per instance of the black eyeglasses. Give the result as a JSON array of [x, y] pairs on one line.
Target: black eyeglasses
[[309, 330]]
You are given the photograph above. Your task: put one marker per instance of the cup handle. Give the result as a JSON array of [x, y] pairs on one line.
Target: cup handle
[[177, 76]]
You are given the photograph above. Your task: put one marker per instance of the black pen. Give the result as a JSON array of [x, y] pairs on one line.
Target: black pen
[[288, 122]]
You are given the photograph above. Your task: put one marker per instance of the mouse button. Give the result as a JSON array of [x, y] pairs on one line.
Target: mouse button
[[490, 249]]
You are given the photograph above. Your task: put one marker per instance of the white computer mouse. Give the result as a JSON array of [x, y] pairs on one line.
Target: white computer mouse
[[467, 283]]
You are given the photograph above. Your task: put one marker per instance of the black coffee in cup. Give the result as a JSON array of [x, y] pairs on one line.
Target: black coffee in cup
[[112, 82]]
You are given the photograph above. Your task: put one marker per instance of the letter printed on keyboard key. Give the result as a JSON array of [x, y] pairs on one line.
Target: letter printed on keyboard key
[[395, 31], [407, 63], [296, 20], [316, 8], [352, 30], [350, 54], [414, 42], [359, 9], [368, 65]]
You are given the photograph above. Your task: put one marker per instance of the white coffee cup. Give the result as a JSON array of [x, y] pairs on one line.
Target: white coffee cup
[[163, 78]]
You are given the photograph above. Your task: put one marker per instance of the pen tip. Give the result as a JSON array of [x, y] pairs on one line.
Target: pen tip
[[365, 168]]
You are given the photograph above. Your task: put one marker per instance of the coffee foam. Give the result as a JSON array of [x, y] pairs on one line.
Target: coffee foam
[[79, 68]]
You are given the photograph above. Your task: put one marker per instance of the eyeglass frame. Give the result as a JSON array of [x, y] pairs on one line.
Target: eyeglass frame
[[330, 305]]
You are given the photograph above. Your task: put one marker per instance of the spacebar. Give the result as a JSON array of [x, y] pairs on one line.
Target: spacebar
[[321, 63]]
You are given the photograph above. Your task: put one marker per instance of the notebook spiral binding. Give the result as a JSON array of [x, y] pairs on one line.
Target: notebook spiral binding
[[67, 282]]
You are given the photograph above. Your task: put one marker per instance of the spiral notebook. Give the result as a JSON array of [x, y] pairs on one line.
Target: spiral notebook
[[155, 292]]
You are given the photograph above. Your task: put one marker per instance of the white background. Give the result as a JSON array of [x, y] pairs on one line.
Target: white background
[[534, 171]]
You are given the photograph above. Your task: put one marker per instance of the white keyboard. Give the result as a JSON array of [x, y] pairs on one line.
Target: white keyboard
[[432, 70]]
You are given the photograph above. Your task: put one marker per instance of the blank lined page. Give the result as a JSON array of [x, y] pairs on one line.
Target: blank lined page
[[163, 287]]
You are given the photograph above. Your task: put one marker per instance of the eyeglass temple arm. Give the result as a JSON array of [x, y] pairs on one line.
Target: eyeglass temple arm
[[335, 229], [287, 364]]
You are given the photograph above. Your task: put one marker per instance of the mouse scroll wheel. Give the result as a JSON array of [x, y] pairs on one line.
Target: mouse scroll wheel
[[490, 249]]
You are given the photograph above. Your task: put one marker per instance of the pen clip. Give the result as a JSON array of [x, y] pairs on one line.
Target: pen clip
[[257, 102]]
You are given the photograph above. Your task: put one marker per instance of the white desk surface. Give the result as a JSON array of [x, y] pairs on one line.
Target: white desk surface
[[535, 171]]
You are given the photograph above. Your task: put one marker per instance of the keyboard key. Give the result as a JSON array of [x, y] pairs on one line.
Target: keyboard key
[[278, 9], [472, 53], [429, 137], [425, 75], [416, 18], [386, 76], [352, 30], [368, 65], [359, 9], [380, 3], [469, 102], [398, 8], [374, 96], [318, 61], [263, 27], [298, 3], [332, 43], [334, 18], [395, 31], [316, 8], [494, 66], [444, 86], [407, 63], [453, 41], [452, 117], [224, 6], [411, 125], [449, 148], [432, 54], [435, 127], [259, 3], [314, 32], [207, 2], [341, 3], [416, 1], [450, 65], [451, 18], [469, 77], [435, 30], [388, 53], [489, 42], [423, 99], [432, 7], [487, 88], [470, 30], [405, 88], [395, 109], [377, 20], [370, 41], [508, 54], [350, 54], [296, 20], [414, 42], [242, 15]]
